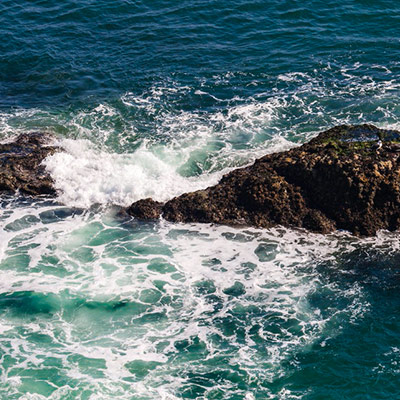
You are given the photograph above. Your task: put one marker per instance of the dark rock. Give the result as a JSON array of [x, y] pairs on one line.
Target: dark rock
[[145, 209], [336, 181], [20, 165]]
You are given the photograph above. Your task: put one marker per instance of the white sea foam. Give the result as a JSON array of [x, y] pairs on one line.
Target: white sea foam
[[124, 294], [82, 262], [85, 176], [113, 161], [157, 108], [276, 269]]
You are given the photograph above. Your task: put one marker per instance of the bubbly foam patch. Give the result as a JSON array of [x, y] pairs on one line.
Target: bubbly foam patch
[[150, 310], [85, 175]]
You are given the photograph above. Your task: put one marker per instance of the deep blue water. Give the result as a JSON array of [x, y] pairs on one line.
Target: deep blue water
[[154, 99]]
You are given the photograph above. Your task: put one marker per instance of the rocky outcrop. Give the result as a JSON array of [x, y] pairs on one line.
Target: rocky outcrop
[[339, 180], [20, 165]]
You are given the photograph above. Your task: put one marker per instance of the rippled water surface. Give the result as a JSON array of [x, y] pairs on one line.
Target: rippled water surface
[[156, 99]]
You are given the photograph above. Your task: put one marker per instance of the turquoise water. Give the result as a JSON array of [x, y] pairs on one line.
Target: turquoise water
[[155, 99]]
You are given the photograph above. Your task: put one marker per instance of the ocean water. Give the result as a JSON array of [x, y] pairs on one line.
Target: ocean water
[[155, 99]]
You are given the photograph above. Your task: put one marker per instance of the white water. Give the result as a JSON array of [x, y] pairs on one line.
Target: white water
[[185, 277], [193, 279], [177, 283], [85, 175]]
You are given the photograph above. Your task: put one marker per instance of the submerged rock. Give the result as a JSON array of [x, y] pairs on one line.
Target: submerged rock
[[339, 180], [20, 165]]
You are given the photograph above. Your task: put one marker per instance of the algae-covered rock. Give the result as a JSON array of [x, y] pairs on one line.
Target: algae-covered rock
[[339, 180]]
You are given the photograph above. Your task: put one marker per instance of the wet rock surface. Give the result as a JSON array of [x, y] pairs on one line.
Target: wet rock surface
[[342, 179], [20, 165]]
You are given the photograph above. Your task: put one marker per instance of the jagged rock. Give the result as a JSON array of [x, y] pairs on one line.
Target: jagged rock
[[336, 181], [20, 165]]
